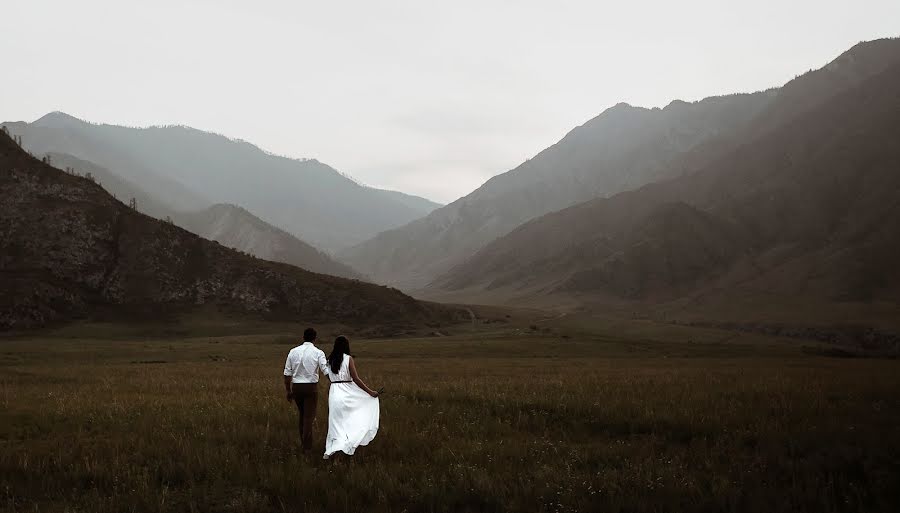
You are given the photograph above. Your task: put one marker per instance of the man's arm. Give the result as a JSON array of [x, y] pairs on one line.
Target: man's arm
[[287, 388], [323, 363], [288, 376]]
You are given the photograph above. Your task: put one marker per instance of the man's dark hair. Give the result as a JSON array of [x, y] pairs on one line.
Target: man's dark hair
[[309, 335]]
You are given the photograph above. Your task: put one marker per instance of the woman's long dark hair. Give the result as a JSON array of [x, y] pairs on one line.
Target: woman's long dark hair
[[341, 347]]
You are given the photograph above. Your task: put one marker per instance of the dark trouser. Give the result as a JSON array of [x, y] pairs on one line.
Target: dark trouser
[[306, 395]]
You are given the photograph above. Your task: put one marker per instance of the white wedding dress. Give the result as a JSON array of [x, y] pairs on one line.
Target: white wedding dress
[[352, 413]]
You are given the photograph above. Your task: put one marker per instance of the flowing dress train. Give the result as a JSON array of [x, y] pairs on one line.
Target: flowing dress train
[[352, 413]]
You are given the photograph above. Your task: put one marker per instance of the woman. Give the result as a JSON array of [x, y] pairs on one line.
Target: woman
[[352, 406]]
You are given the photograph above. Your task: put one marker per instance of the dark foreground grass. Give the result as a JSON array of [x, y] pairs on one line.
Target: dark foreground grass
[[508, 422]]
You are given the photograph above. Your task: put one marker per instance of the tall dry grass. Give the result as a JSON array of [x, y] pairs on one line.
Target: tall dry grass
[[473, 423]]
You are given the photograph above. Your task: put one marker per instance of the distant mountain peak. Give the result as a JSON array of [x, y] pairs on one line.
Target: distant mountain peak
[[57, 117], [674, 104], [622, 108], [619, 110]]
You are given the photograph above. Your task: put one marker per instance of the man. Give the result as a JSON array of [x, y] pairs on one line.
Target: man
[[301, 381]]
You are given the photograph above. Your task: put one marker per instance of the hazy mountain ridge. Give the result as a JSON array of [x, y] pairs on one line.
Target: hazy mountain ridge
[[69, 249], [622, 148], [58, 133], [235, 227], [193, 170], [808, 208], [229, 225]]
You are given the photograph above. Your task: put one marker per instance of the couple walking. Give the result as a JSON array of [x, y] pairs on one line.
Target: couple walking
[[352, 406]]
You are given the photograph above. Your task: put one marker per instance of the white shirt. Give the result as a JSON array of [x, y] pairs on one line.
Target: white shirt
[[304, 362]]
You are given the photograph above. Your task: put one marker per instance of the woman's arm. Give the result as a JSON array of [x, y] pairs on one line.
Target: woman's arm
[[359, 382]]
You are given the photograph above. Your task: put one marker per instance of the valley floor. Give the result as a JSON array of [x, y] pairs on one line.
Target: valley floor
[[523, 413]]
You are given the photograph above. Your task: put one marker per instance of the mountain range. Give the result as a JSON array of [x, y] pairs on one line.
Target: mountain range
[[69, 249], [229, 225], [803, 201], [622, 148], [589, 214], [791, 192], [189, 170]]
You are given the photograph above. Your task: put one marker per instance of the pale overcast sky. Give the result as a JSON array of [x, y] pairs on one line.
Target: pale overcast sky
[[430, 98]]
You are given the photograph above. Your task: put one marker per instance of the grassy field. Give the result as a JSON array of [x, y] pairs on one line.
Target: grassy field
[[530, 415]]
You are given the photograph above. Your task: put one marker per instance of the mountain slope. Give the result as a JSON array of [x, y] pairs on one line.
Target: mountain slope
[[69, 249], [623, 148], [62, 134], [193, 170], [231, 226], [809, 209], [124, 190], [236, 228]]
